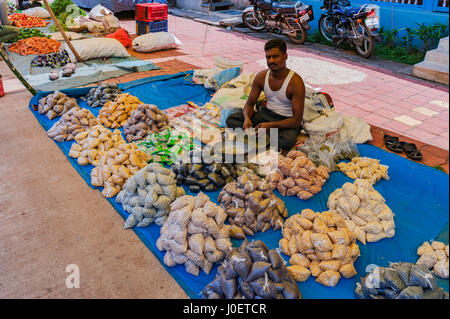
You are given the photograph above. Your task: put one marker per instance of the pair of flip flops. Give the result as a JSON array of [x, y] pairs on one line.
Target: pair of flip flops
[[394, 144]]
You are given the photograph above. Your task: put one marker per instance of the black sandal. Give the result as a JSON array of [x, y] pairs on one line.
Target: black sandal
[[396, 147], [412, 151], [388, 139]]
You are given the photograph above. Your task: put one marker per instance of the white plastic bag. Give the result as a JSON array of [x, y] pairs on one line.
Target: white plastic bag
[[329, 123], [95, 48], [155, 41], [357, 130], [111, 23], [98, 12], [37, 12], [95, 27]]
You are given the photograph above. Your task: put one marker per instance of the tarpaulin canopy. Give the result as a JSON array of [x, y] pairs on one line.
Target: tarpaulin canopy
[[417, 194]]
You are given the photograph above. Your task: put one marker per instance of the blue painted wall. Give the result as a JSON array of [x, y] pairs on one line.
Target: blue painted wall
[[392, 15]]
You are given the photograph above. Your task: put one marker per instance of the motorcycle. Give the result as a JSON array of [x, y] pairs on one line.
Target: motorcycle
[[283, 17], [355, 25]]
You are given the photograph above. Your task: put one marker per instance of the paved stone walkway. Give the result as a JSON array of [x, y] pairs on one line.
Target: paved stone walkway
[[403, 106]]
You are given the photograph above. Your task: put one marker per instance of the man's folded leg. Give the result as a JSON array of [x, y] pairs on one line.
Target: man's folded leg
[[287, 138], [236, 119]]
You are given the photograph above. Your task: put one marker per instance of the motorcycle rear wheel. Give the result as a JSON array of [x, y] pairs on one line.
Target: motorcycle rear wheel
[[326, 27], [366, 48], [252, 21], [298, 37]]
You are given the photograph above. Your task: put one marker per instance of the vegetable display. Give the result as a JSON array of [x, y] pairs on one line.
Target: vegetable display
[[21, 20], [194, 235], [53, 60], [56, 104], [146, 119], [364, 210], [298, 176], [35, 45], [252, 271], [25, 33], [320, 244], [251, 206], [399, 281], [93, 143], [75, 121], [115, 114], [147, 196], [435, 257], [105, 92]]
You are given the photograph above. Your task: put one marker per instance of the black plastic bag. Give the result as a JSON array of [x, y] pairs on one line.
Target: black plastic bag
[[258, 254], [275, 259], [421, 276], [216, 286], [190, 180], [241, 264], [199, 174], [411, 292], [203, 183], [245, 289], [291, 290], [195, 168], [230, 273], [211, 188], [264, 288], [277, 275], [229, 288], [216, 179], [403, 270], [393, 280], [258, 269], [430, 294], [212, 168]]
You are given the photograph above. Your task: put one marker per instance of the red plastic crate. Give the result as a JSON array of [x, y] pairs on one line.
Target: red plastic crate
[[151, 11]]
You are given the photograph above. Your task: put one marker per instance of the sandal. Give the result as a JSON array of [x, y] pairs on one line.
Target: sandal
[[388, 139], [396, 147], [412, 151]]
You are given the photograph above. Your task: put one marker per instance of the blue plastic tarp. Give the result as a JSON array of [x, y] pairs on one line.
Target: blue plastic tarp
[[417, 194]]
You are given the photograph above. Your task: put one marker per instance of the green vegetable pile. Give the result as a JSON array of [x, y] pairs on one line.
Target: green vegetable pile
[[62, 12], [26, 33]]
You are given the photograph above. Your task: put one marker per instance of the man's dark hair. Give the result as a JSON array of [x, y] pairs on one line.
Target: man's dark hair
[[276, 43]]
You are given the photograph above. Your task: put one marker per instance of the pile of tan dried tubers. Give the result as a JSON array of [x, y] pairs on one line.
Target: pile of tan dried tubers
[[56, 104], [146, 119], [251, 206], [298, 176], [75, 121], [319, 244], [147, 196], [364, 211], [194, 234]]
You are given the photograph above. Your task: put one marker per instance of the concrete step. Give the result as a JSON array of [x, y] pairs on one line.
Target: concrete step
[[437, 56], [218, 5], [432, 71], [443, 44]]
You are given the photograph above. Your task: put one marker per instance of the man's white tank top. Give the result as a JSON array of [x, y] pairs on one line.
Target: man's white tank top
[[277, 101]]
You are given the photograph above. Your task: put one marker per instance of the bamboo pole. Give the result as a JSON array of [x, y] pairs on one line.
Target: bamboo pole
[[8, 62], [61, 30]]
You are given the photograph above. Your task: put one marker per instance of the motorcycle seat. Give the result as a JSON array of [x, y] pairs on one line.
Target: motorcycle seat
[[284, 4], [348, 11]]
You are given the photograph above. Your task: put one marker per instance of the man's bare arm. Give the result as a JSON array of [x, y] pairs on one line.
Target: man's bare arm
[[249, 108]]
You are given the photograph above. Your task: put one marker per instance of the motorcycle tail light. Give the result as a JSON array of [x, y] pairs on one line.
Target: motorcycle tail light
[[358, 20], [310, 12], [297, 20]]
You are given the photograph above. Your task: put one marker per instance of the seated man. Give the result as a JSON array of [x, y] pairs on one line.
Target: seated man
[[285, 92]]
